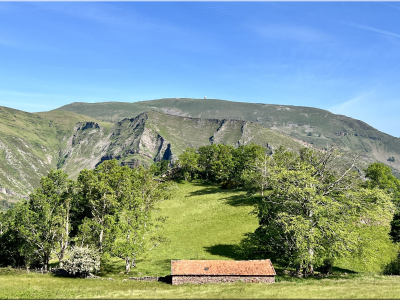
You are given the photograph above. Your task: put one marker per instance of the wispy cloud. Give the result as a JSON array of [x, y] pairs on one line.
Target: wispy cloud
[[132, 26], [372, 108], [349, 106], [8, 43], [389, 5], [108, 15], [374, 29], [224, 8], [294, 33]]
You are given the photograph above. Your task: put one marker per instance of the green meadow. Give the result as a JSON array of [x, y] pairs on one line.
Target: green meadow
[[204, 222]]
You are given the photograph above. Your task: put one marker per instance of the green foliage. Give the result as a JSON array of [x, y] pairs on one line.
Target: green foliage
[[255, 176], [315, 209], [14, 250], [326, 266], [120, 202], [380, 176], [188, 163], [393, 268], [395, 228], [219, 163], [161, 167], [101, 190], [135, 223], [82, 261], [44, 221]]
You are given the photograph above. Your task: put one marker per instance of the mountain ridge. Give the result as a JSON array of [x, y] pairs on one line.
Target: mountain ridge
[[314, 126], [32, 144]]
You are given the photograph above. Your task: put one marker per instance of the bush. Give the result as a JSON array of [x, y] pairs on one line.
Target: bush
[[82, 262], [393, 268], [326, 266]]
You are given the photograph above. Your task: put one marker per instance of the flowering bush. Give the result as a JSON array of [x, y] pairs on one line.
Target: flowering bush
[[82, 261]]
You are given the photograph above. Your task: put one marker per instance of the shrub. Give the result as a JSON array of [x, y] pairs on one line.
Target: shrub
[[393, 268], [326, 266], [82, 261]]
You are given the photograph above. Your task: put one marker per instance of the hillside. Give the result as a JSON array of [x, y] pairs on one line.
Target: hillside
[[32, 144], [29, 147], [316, 126]]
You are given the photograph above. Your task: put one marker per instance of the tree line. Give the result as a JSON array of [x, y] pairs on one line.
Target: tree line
[[314, 206], [109, 209]]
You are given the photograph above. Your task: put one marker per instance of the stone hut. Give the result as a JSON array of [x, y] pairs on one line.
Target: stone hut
[[214, 271]]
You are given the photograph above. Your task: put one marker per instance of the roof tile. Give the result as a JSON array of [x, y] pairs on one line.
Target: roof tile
[[222, 267]]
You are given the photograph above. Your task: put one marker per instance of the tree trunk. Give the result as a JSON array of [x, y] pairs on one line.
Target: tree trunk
[[310, 264], [133, 262], [101, 241], [61, 258], [311, 269], [46, 262], [127, 265], [298, 268]]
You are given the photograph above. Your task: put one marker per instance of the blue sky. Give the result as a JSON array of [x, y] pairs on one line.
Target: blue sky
[[339, 56]]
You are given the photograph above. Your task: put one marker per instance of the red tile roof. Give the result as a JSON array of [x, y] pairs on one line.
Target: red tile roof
[[222, 267]]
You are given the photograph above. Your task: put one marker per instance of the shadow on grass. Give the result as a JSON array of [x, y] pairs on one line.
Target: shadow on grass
[[242, 200], [341, 270], [226, 250], [207, 190]]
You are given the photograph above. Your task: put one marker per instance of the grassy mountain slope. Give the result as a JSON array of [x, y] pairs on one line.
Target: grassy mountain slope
[[153, 136], [30, 146], [28, 149], [316, 126]]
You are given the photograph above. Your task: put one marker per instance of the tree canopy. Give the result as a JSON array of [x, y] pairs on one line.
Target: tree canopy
[[315, 208]]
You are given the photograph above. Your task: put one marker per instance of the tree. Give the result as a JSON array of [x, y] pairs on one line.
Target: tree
[[316, 208], [100, 190], [188, 163], [44, 221], [121, 203], [255, 177], [160, 168], [135, 222], [380, 176], [216, 162], [15, 250]]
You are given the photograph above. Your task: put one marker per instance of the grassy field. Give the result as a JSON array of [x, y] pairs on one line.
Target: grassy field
[[42, 286], [204, 222]]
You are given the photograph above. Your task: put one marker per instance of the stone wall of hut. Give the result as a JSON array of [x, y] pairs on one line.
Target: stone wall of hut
[[176, 279]]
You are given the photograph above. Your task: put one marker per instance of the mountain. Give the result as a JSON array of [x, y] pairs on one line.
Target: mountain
[[32, 144], [153, 136], [312, 125]]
